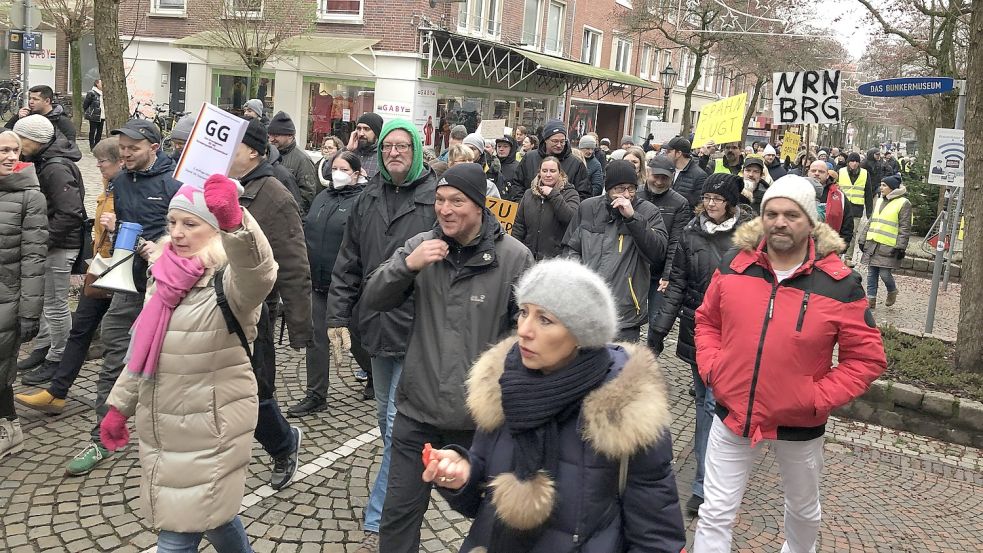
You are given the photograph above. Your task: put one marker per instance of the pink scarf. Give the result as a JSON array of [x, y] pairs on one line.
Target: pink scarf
[[174, 276]]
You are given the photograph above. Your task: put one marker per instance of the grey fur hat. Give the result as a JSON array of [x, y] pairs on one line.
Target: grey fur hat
[[576, 295]]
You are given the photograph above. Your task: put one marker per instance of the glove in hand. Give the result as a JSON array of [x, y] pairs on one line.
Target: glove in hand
[[898, 253], [113, 431], [222, 199], [29, 329], [341, 341]]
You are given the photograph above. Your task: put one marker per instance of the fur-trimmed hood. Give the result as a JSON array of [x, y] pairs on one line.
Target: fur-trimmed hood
[[564, 183], [749, 235], [626, 414]]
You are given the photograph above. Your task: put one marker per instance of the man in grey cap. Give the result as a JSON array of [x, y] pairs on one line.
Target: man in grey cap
[[253, 109], [595, 172], [676, 212], [180, 135]]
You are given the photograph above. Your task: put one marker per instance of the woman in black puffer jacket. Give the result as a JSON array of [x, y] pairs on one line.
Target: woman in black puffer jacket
[[703, 243]]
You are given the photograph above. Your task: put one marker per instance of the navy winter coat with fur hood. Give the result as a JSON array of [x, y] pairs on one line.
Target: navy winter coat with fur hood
[[626, 417]]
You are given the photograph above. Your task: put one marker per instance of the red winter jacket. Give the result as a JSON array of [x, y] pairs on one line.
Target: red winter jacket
[[765, 348], [835, 207]]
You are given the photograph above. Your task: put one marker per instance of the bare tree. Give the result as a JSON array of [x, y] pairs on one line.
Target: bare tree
[[256, 29], [72, 18], [109, 53]]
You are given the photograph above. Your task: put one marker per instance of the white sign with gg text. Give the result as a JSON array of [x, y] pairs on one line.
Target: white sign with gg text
[[209, 150]]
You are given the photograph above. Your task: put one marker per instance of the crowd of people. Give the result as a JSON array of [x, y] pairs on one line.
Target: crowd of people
[[513, 360]]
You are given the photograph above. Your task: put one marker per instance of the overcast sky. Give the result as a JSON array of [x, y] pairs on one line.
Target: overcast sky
[[852, 35]]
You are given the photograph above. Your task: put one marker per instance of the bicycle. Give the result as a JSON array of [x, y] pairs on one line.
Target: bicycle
[[138, 112], [11, 98]]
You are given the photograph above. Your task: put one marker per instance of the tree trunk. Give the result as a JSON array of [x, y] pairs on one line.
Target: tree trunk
[[969, 342], [75, 73], [688, 98], [109, 53], [254, 76]]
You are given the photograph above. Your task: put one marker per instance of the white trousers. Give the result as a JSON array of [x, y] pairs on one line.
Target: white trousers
[[728, 465]]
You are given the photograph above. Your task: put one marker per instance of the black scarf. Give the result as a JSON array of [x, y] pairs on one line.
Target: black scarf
[[535, 404]]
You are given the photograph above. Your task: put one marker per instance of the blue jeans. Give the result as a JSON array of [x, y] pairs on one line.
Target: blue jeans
[[705, 406], [228, 538], [385, 378], [885, 274]]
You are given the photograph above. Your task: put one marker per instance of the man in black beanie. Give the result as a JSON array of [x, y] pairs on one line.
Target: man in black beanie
[[467, 261], [620, 236], [364, 142], [282, 135], [554, 144], [278, 215]]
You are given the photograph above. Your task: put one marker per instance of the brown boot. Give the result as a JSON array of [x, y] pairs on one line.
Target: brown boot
[[891, 298], [872, 302]]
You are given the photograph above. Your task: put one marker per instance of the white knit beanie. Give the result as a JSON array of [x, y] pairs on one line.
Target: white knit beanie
[[770, 150], [576, 295], [36, 128], [799, 190]]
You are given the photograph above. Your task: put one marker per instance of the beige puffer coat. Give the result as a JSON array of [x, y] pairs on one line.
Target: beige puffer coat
[[195, 418]]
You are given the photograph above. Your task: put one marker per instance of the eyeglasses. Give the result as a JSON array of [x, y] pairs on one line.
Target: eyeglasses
[[622, 188], [713, 200], [401, 148], [557, 141]]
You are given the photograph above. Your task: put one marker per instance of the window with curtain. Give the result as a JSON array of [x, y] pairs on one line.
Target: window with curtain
[[169, 5], [555, 22], [532, 16], [590, 52], [339, 8], [622, 55], [480, 17]]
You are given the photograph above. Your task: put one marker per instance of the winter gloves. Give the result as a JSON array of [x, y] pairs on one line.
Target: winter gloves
[[222, 199], [113, 431], [898, 253], [341, 340], [29, 329]]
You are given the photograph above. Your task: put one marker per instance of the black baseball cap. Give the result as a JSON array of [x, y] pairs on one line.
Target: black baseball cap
[[681, 144], [754, 160], [140, 129], [661, 165]]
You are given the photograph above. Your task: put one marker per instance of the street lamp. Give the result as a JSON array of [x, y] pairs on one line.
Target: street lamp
[[669, 77]]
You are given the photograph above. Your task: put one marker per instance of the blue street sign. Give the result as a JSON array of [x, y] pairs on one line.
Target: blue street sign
[[907, 86]]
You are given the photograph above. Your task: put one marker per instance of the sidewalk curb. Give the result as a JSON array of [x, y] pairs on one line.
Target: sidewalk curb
[[909, 408]]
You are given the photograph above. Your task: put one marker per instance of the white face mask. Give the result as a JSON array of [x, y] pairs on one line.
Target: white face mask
[[340, 179]]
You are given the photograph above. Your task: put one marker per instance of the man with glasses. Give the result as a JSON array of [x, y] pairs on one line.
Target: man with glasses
[[397, 204], [620, 236], [555, 144]]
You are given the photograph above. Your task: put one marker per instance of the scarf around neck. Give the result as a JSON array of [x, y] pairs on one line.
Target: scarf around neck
[[174, 277]]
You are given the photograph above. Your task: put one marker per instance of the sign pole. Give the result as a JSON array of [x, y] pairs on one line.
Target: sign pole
[[26, 56], [944, 231], [954, 234]]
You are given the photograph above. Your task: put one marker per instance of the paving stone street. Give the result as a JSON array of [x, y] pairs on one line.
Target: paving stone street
[[883, 490]]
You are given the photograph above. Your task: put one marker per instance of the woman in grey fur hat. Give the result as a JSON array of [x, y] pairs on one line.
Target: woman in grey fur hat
[[573, 451]]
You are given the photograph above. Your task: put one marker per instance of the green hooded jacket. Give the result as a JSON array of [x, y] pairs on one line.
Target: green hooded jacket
[[416, 168]]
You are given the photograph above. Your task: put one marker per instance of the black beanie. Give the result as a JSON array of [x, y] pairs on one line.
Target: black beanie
[[281, 124], [894, 181], [373, 121], [256, 137], [854, 156], [469, 178], [727, 185], [554, 126], [618, 172]]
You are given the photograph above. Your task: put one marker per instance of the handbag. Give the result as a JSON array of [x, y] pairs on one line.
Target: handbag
[[96, 269]]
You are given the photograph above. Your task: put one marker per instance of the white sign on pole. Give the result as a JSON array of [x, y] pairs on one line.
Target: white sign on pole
[[806, 97], [663, 132], [492, 128], [213, 141], [948, 165]]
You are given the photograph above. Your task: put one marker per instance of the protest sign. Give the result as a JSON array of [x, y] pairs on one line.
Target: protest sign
[[663, 132], [790, 146], [721, 121], [806, 97], [503, 210], [209, 150], [492, 128]]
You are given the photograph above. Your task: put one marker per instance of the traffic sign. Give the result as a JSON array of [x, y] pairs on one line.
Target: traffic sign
[[17, 20], [19, 41], [907, 86]]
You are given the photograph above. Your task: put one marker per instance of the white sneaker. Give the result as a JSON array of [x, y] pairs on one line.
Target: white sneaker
[[11, 437]]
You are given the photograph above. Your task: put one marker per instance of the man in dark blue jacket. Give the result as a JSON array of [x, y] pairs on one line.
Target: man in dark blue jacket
[[689, 176], [142, 194]]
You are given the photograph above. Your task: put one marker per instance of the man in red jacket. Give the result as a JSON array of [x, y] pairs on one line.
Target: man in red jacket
[[776, 306]]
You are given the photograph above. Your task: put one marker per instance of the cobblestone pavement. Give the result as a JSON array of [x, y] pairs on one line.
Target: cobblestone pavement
[[883, 490]]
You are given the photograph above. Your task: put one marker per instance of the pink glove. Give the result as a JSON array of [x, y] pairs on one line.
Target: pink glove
[[112, 431], [222, 199]]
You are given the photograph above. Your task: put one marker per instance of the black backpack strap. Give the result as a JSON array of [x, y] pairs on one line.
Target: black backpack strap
[[230, 319]]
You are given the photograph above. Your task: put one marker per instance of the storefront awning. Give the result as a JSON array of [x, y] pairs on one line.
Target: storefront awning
[[511, 65], [313, 46]]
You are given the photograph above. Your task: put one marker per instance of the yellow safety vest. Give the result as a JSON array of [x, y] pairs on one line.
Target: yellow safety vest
[[721, 168], [884, 225], [854, 191]]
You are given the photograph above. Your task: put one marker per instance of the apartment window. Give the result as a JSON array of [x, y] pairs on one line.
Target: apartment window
[[683, 80], [532, 16], [590, 52], [339, 10], [481, 17], [245, 8], [169, 6], [555, 22], [621, 50], [645, 62]]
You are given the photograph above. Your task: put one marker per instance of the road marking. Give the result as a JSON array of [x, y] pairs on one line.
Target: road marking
[[320, 463]]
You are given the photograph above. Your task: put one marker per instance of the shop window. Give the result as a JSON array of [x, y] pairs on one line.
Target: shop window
[[481, 17], [621, 52], [555, 22], [590, 52], [532, 17], [334, 106], [230, 91], [342, 10], [169, 7]]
